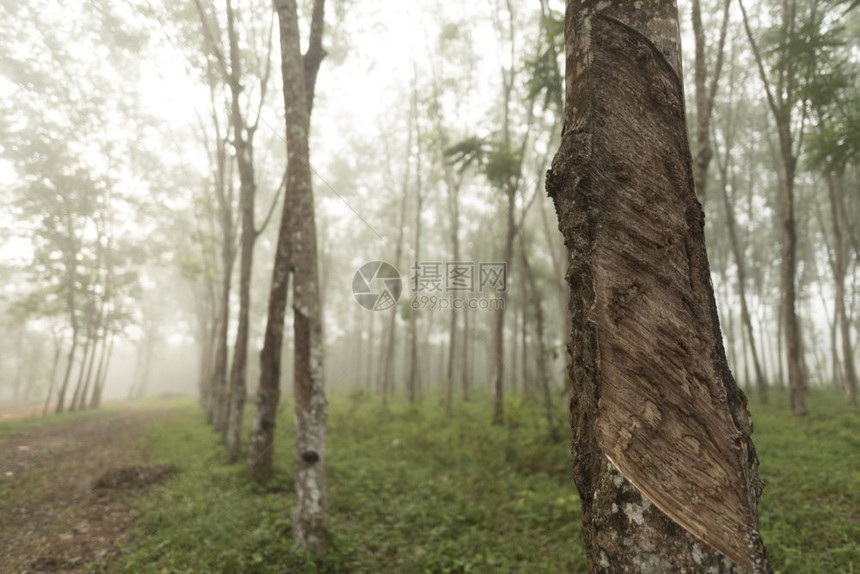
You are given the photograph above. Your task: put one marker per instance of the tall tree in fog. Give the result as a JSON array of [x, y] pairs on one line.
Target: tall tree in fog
[[413, 376], [296, 255], [222, 184], [788, 106], [835, 146], [668, 441], [841, 261], [728, 186], [391, 330], [230, 65], [299, 78]]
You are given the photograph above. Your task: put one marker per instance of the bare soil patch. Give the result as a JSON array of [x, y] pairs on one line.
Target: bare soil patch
[[67, 490]]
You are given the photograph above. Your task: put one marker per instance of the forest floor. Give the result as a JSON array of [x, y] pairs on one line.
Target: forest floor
[[410, 490], [68, 486]]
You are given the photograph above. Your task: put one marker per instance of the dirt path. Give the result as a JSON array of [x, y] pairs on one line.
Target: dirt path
[[55, 515]]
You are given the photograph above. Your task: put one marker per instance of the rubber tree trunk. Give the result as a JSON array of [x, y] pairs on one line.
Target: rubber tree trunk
[[467, 354], [297, 249], [840, 268], [535, 299], [218, 386], [413, 376], [52, 381], [101, 376], [262, 439], [450, 383], [309, 514], [662, 455], [497, 351], [761, 383], [391, 343], [73, 405], [780, 107], [243, 141]]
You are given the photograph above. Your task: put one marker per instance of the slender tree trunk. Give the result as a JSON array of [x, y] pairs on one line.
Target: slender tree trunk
[[780, 348], [746, 361], [369, 351], [237, 387], [85, 392], [663, 462], [450, 383], [794, 343], [388, 363], [780, 103], [73, 404], [55, 363], [243, 141], [524, 350], [515, 371], [536, 301], [219, 372], [101, 375], [497, 364], [309, 515], [554, 244], [413, 379], [840, 267], [731, 338], [835, 367], [262, 440], [297, 249], [761, 383], [217, 411], [466, 357]]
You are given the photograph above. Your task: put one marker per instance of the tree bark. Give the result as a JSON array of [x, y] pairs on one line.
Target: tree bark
[[262, 439], [309, 515], [243, 142], [662, 457], [840, 267], [297, 251]]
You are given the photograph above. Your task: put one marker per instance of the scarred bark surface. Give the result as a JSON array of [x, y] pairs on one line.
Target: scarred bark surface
[[666, 471]]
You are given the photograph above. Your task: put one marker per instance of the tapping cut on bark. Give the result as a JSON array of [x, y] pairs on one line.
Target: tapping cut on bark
[[662, 454]]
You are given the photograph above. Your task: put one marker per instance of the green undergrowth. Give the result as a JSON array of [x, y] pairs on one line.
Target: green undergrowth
[[413, 490]]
